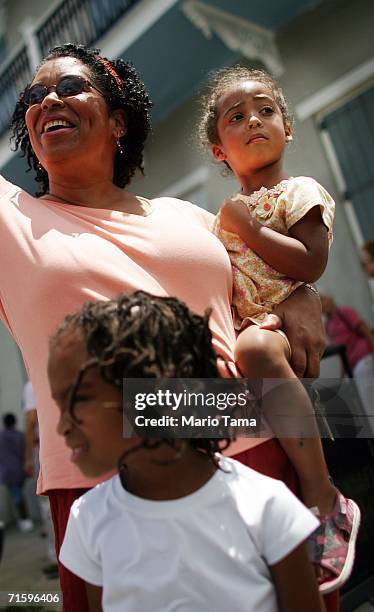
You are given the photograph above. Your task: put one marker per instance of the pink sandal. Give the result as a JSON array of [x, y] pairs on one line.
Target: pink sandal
[[332, 545]]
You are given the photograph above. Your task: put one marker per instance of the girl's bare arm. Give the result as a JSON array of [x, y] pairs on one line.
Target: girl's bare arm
[[94, 596], [302, 255], [295, 583]]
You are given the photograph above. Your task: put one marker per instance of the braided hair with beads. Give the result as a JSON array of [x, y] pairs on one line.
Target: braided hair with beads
[[144, 336]]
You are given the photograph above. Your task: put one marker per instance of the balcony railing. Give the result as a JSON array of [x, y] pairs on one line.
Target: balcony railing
[[13, 78], [79, 21]]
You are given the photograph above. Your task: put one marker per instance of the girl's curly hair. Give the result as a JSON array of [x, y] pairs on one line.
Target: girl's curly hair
[[126, 92], [144, 336]]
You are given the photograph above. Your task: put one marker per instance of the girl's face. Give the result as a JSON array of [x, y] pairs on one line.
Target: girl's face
[[83, 125], [96, 442], [250, 128]]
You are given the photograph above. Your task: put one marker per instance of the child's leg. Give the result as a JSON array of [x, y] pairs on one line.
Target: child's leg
[[270, 459], [263, 354]]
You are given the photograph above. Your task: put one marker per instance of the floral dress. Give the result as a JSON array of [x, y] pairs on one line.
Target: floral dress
[[258, 287]]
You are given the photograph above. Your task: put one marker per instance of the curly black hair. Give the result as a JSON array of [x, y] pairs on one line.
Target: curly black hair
[[126, 92], [144, 336]]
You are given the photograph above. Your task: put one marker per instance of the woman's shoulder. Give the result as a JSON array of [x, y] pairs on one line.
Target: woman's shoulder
[[10, 191], [6, 187]]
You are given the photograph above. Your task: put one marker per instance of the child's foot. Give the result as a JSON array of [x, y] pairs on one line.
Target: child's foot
[[332, 545]]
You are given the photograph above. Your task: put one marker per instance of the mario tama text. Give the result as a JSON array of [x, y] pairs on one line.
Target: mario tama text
[[187, 408], [194, 421]]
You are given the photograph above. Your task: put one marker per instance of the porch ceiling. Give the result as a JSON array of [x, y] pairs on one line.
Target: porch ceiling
[[273, 15], [174, 56]]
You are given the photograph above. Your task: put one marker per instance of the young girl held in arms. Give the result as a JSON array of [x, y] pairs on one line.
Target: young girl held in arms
[[277, 231], [180, 527]]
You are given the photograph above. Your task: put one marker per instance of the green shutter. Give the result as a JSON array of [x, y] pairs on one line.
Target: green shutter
[[351, 129]]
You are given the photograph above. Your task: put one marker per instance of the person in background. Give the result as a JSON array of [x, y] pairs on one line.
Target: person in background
[[367, 257], [345, 326], [12, 473], [32, 469]]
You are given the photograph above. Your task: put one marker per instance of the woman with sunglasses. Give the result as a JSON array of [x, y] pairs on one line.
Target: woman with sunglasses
[[82, 124]]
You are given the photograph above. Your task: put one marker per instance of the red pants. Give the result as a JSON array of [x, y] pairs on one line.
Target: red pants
[[267, 458], [73, 588]]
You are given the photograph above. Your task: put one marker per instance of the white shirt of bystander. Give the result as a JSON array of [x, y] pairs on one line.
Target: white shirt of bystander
[[210, 550]]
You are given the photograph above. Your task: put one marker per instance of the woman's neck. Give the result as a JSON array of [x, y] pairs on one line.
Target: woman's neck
[[165, 474], [96, 193]]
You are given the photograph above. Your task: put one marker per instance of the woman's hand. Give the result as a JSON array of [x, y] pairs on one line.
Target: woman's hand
[[300, 318]]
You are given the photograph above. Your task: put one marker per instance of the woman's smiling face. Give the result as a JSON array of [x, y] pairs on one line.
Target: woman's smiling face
[[85, 126]]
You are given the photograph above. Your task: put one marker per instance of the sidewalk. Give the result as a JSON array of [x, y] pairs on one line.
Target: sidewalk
[[24, 556]]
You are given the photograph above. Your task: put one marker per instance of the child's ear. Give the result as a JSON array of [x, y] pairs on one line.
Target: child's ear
[[218, 153]]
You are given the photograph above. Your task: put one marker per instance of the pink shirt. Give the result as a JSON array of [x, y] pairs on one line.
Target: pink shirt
[[341, 329], [55, 256]]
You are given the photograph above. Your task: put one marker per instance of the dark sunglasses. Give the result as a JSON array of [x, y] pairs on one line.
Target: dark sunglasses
[[68, 86]]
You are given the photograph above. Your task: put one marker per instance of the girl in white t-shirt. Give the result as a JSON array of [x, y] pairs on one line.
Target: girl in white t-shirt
[[179, 527]]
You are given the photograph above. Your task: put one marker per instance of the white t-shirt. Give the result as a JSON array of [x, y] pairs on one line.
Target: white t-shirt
[[207, 551]]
